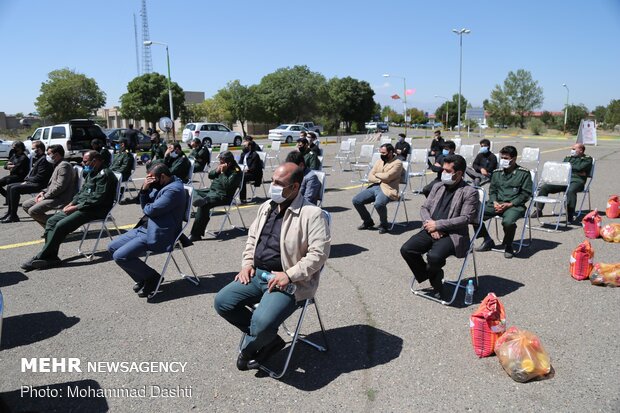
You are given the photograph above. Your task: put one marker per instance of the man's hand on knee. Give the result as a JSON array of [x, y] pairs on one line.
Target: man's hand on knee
[[245, 275], [280, 281]]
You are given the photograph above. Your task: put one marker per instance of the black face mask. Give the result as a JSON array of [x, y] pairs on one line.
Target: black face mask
[[246, 149], [385, 158]]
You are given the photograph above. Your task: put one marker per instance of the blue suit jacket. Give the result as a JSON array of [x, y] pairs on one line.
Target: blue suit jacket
[[164, 209]]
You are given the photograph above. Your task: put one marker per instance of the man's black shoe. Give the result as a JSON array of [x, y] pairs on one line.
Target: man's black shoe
[[5, 216], [384, 229], [40, 264], [149, 286], [242, 362], [366, 225], [267, 352], [436, 279], [10, 219], [185, 241], [487, 245], [27, 266], [509, 252], [138, 287], [536, 214], [194, 238]]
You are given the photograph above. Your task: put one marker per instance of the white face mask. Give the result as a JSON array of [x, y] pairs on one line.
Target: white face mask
[[573, 152], [174, 155], [275, 191], [446, 178], [49, 158], [504, 163], [484, 149]]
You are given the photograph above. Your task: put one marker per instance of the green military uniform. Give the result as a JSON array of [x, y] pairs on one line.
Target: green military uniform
[[311, 160], [178, 166], [123, 164], [158, 151], [107, 157], [580, 169], [202, 157], [222, 189], [94, 201], [514, 187]]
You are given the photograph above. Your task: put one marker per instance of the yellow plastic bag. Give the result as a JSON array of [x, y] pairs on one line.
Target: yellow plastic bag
[[522, 355], [606, 274]]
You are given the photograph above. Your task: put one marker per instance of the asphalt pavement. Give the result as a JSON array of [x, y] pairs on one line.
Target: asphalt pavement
[[388, 349]]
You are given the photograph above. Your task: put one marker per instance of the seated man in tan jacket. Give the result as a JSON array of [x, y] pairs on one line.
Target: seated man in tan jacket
[[384, 179], [60, 189]]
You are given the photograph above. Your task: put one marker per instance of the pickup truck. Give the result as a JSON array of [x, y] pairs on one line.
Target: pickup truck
[[74, 136], [318, 129]]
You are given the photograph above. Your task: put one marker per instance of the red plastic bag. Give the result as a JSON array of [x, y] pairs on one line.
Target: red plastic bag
[[486, 325], [611, 232], [592, 224], [522, 355], [581, 261], [613, 207], [606, 274]]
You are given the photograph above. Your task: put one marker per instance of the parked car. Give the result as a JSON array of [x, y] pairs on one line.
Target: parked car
[[287, 132], [5, 148], [115, 134], [383, 127], [371, 125], [211, 133], [74, 136], [318, 129]]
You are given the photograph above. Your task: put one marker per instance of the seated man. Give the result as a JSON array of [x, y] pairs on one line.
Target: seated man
[[436, 144], [93, 201], [162, 198], [253, 170], [446, 214], [448, 148], [18, 166], [177, 162], [581, 165], [402, 147], [36, 180], [511, 188], [158, 149], [484, 164], [60, 189], [313, 142], [200, 154], [311, 185], [225, 180], [310, 159], [384, 180], [286, 221], [123, 160], [99, 146]]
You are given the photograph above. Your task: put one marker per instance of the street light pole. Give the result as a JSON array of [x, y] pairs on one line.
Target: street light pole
[[404, 96], [447, 101], [460, 33], [149, 43], [566, 107]]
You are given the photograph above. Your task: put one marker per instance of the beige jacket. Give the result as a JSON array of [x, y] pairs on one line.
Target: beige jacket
[[62, 185], [388, 176], [304, 243]]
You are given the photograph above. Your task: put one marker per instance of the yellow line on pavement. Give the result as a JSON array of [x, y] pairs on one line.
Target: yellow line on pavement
[[20, 244]]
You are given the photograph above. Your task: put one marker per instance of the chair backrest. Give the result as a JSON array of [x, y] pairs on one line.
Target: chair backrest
[[320, 158], [409, 140], [419, 156], [275, 146], [467, 152], [353, 141], [190, 174], [530, 155], [323, 179], [457, 142], [375, 157], [556, 173], [119, 185], [385, 139], [189, 191], [263, 157], [345, 146], [591, 174], [404, 176], [111, 154], [79, 179], [262, 147], [223, 147], [366, 153], [480, 218]]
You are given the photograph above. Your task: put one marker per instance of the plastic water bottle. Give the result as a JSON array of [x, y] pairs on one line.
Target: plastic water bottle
[[469, 293], [290, 288]]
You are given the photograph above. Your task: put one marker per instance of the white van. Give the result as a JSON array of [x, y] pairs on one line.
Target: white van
[[74, 136]]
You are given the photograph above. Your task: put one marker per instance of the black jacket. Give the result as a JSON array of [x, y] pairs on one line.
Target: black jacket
[[41, 171], [21, 166]]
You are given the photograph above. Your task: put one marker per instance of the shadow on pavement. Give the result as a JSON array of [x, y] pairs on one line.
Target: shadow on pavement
[[538, 245], [80, 260], [180, 288], [345, 250], [334, 209], [21, 330], [82, 398], [487, 284], [11, 278], [351, 348]]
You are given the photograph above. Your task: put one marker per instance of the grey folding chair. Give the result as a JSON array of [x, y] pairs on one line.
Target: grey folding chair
[[375, 157], [384, 140], [189, 190], [363, 161], [263, 156], [530, 158], [470, 251], [586, 190], [273, 156], [417, 168], [404, 183], [223, 147], [343, 155], [234, 203], [297, 335], [108, 218], [125, 184], [323, 179], [205, 172], [190, 175], [467, 152], [554, 173]]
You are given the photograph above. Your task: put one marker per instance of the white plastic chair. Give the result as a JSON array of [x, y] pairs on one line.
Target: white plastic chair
[[344, 154], [404, 183], [296, 335], [263, 156], [233, 203], [586, 190], [363, 160], [554, 173], [385, 139], [323, 179], [417, 168], [273, 156], [125, 184], [375, 158], [467, 152], [205, 172], [189, 190], [223, 147], [470, 251], [530, 158], [409, 141], [457, 142], [103, 222]]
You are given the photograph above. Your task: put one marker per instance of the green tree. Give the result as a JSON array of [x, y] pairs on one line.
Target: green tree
[[236, 100], [147, 98], [522, 94], [349, 101], [599, 114], [69, 95], [418, 116], [612, 115], [575, 114], [547, 118], [499, 107], [391, 114], [452, 108]]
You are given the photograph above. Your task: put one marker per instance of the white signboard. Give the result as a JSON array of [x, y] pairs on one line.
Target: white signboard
[[587, 132], [474, 113]]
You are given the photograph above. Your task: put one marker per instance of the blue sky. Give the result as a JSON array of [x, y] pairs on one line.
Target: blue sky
[[212, 42]]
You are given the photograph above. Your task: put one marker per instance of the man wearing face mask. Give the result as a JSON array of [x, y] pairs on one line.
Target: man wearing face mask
[[97, 145], [252, 166], [314, 144], [93, 201], [158, 149], [384, 180], [448, 148], [402, 147], [225, 179], [511, 188], [123, 160], [581, 165], [36, 179], [310, 159], [290, 240], [60, 189], [201, 155], [162, 198], [446, 215], [436, 144], [484, 164], [177, 162], [18, 166]]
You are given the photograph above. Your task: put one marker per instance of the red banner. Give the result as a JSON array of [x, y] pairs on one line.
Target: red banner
[[395, 97]]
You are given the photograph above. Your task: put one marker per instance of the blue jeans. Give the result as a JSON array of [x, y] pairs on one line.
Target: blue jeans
[[368, 195], [261, 326], [127, 250]]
